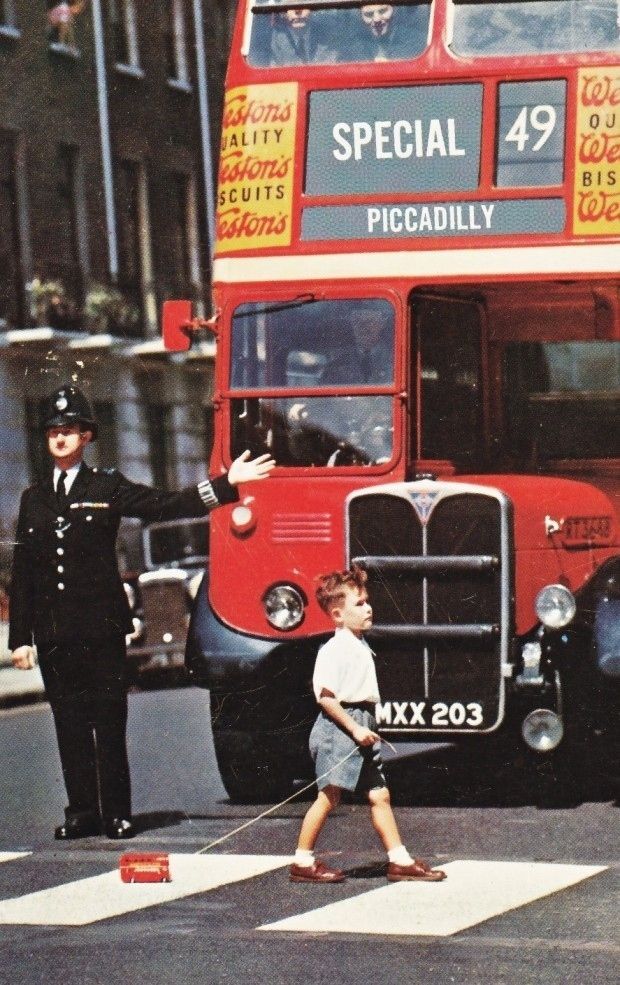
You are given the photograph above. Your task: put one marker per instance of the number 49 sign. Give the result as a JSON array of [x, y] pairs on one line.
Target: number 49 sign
[[530, 134]]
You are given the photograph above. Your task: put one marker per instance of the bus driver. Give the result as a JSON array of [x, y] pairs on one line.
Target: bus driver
[[371, 359]]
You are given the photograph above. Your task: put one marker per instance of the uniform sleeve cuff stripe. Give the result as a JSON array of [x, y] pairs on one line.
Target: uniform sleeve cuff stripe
[[207, 495]]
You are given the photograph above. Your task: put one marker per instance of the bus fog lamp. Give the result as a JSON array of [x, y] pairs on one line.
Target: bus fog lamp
[[542, 730], [284, 606], [555, 606]]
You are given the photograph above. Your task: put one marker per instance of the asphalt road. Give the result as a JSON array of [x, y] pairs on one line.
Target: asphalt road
[[531, 894]]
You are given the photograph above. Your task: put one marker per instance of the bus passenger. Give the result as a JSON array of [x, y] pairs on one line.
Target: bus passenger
[[385, 34], [298, 40], [344, 743]]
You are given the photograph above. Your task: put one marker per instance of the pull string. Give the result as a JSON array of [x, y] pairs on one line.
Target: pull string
[[270, 810]]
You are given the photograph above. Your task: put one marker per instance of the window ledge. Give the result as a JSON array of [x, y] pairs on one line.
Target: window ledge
[[10, 32], [179, 85], [67, 50], [133, 71]]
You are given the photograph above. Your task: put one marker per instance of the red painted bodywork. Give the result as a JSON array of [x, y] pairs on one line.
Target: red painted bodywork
[[242, 567], [256, 561]]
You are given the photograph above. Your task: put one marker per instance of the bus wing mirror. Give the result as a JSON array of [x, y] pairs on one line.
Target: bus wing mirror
[[178, 326], [175, 322]]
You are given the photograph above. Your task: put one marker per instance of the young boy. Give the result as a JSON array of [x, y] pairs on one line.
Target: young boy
[[345, 687]]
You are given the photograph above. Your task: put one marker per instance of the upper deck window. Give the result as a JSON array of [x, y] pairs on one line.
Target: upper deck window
[[534, 27], [337, 31]]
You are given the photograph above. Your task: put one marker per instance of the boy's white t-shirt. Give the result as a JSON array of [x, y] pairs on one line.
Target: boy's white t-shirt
[[345, 666]]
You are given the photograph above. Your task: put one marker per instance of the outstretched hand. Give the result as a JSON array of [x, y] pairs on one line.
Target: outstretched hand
[[244, 470]]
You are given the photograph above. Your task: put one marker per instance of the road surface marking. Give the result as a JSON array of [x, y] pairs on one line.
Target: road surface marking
[[100, 897], [473, 892], [9, 856]]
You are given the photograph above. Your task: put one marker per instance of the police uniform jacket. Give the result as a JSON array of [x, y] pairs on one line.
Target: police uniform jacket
[[65, 582]]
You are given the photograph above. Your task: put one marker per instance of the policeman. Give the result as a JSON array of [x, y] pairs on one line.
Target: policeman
[[67, 598]]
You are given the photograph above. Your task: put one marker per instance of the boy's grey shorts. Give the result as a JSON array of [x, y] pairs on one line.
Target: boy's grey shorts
[[329, 744]]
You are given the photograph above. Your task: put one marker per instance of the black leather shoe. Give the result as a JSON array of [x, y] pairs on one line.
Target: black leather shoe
[[78, 827], [119, 827]]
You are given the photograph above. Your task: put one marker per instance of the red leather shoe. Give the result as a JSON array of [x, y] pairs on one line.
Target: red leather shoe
[[417, 871], [317, 872]]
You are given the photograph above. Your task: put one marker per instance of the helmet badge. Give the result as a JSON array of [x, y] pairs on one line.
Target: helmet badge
[[61, 402]]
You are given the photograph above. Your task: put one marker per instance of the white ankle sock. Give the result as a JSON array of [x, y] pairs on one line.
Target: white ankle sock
[[400, 856], [304, 857]]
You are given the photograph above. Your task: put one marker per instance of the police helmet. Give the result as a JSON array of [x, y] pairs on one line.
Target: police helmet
[[67, 406]]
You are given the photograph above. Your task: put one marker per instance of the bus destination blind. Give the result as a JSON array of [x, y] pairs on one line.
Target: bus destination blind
[[417, 140]]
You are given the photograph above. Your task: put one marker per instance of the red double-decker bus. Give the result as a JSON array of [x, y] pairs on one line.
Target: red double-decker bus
[[416, 296]]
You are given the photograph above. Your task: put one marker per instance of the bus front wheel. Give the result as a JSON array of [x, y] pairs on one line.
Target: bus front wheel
[[256, 767]]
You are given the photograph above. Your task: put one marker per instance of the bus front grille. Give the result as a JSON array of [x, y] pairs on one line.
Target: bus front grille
[[438, 560]]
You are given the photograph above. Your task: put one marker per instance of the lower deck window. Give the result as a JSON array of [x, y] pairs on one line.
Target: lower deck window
[[315, 431]]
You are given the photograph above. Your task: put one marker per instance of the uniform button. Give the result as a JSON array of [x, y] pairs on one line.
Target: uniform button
[[60, 550], [60, 534], [60, 519], [60, 585], [60, 569], [89, 517]]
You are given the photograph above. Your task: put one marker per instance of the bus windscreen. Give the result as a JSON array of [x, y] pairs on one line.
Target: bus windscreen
[[342, 344]]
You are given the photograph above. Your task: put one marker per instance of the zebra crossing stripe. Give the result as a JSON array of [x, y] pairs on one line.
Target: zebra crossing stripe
[[10, 856], [101, 897], [473, 892]]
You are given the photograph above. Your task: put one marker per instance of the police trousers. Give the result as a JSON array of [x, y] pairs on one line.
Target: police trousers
[[86, 685]]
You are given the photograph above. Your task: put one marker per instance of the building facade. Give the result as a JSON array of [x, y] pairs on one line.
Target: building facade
[[109, 118]]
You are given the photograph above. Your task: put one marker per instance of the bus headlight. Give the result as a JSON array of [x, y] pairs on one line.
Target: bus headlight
[[555, 606], [284, 606]]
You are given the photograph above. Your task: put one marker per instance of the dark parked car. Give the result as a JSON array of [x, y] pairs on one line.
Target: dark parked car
[[175, 558]]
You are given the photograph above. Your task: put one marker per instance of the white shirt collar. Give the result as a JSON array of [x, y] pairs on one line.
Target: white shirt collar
[[71, 474], [360, 640]]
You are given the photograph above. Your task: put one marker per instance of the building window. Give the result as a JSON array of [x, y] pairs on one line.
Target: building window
[[73, 208], [122, 16], [61, 24], [180, 236], [135, 259], [175, 40], [57, 291], [11, 295]]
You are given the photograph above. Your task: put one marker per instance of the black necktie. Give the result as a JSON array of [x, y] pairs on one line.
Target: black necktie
[[61, 492]]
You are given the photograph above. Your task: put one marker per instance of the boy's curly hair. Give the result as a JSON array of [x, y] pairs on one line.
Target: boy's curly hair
[[331, 588]]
